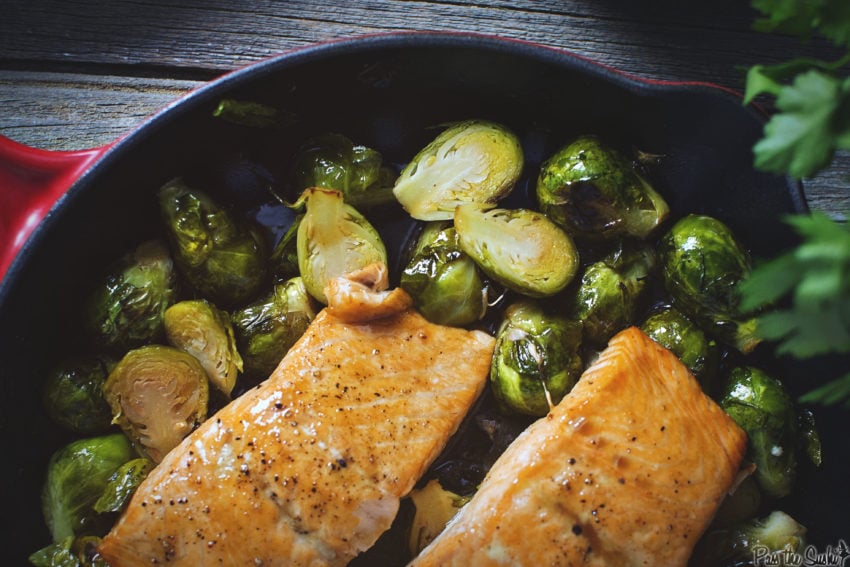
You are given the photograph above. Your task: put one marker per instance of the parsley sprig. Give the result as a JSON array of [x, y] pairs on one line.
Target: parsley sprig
[[811, 122]]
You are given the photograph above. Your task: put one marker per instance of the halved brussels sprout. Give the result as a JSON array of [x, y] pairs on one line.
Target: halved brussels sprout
[[670, 328], [702, 264], [760, 405], [73, 394], [594, 193], [126, 309], [607, 298], [519, 248], [76, 477], [758, 541], [333, 239], [267, 329], [434, 506], [536, 359], [204, 331], [333, 161], [444, 281], [475, 161], [221, 259], [122, 484], [158, 395]]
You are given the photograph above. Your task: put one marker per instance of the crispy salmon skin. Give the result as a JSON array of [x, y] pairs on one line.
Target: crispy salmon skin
[[627, 470], [309, 467]]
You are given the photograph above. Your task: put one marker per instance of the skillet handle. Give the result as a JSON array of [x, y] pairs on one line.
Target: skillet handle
[[31, 181]]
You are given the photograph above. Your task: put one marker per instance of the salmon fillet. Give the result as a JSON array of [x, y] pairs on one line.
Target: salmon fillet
[[627, 470], [308, 468]]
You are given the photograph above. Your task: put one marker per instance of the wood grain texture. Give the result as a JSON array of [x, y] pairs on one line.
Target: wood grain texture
[[80, 73]]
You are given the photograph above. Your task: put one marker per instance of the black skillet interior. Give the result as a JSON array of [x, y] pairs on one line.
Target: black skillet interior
[[387, 92]]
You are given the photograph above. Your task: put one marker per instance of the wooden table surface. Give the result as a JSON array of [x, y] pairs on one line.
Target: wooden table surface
[[77, 73]]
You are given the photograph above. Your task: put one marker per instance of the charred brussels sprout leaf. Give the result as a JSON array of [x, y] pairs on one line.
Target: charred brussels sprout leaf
[[122, 484], [536, 359], [469, 162], [670, 328], [73, 394], [594, 193], [222, 260], [607, 297], [760, 405], [333, 161], [76, 477], [702, 264], [205, 332], [267, 329], [249, 113], [519, 248], [444, 281], [158, 395], [333, 239], [764, 539], [125, 310]]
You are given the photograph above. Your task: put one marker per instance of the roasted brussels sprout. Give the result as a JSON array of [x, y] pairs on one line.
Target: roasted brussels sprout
[[76, 477], [222, 260], [741, 504], [333, 161], [444, 281], [333, 239], [126, 309], [73, 394], [519, 248], [284, 259], [122, 484], [70, 552], [268, 328], [536, 359], [434, 506], [158, 395], [594, 193], [204, 331], [702, 264], [610, 290], [752, 542], [760, 405], [470, 162], [670, 328]]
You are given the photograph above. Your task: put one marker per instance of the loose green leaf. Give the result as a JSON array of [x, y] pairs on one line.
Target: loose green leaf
[[813, 121], [769, 79], [831, 393], [805, 18]]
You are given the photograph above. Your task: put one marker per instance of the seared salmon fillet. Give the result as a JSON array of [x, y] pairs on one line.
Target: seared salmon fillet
[[628, 469], [308, 468]]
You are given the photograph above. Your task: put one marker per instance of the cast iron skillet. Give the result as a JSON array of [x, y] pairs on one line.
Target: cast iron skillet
[[387, 92]]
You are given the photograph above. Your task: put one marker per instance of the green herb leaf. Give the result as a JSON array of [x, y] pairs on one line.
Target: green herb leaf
[[802, 18], [831, 393], [813, 120], [769, 79]]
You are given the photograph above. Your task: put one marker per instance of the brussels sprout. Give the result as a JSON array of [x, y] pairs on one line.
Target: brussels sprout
[[76, 477], [333, 240], [73, 394], [126, 309], [740, 505], [221, 260], [702, 264], [810, 437], [443, 281], [268, 328], [594, 193], [70, 552], [607, 297], [760, 405], [670, 328], [284, 259], [122, 484], [205, 332], [469, 162], [520, 248], [158, 395], [434, 507], [536, 359], [752, 542], [333, 161]]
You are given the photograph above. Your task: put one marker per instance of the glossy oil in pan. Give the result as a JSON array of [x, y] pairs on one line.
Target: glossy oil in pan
[[387, 92]]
